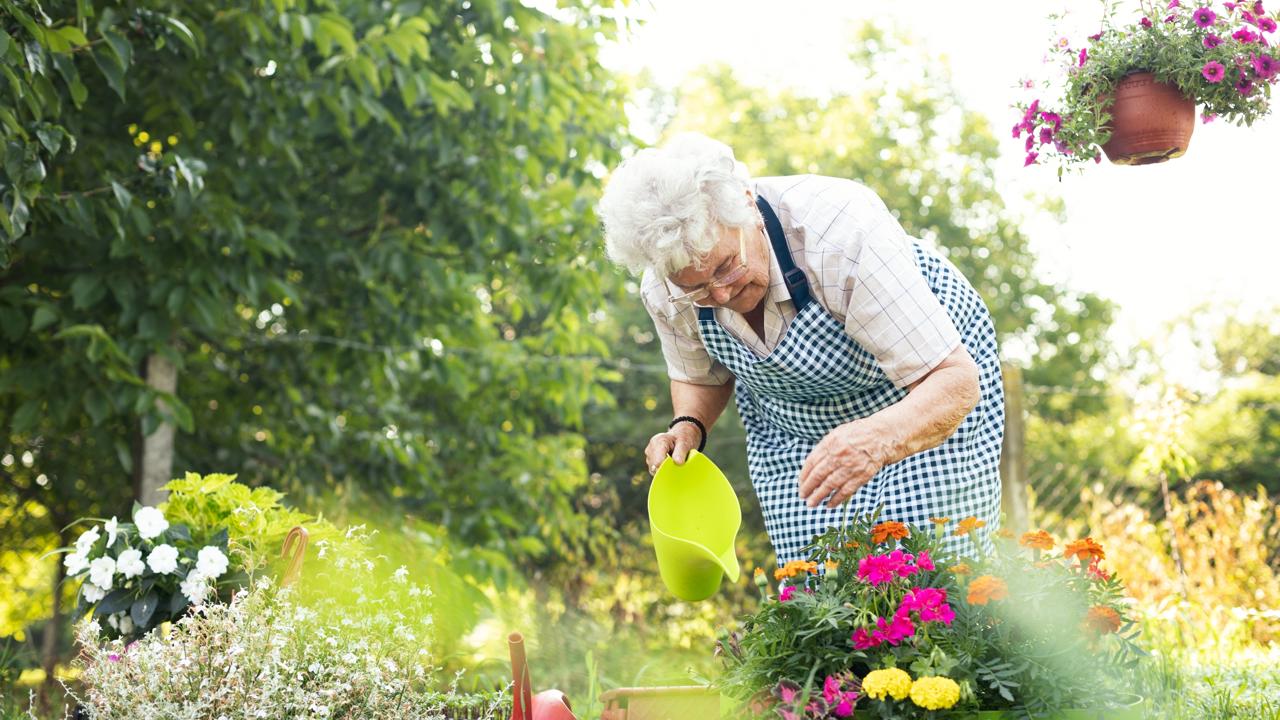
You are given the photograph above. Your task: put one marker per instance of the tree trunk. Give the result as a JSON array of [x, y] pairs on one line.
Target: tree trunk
[[52, 633], [1013, 459], [154, 466]]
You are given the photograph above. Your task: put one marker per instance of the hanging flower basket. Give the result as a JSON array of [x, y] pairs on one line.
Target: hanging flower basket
[[1151, 121]]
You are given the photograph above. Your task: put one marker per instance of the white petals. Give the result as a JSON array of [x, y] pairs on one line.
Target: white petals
[[211, 563], [130, 563], [150, 522], [101, 572], [86, 540], [163, 560]]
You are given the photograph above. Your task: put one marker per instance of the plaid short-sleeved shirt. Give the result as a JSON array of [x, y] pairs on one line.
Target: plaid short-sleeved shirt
[[861, 268]]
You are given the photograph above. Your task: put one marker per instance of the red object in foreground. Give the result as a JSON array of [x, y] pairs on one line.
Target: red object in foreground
[[546, 705], [1151, 121]]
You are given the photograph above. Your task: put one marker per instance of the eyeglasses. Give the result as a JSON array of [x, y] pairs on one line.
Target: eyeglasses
[[729, 277]]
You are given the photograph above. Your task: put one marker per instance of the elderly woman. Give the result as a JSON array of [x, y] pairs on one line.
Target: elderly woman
[[864, 365]]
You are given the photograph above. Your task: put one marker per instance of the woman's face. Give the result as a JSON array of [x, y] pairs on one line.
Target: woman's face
[[747, 287]]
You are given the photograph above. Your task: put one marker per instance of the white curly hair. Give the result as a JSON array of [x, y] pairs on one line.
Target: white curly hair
[[661, 205]]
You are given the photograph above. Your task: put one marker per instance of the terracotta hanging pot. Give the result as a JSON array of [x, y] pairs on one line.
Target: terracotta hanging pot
[[1151, 121]]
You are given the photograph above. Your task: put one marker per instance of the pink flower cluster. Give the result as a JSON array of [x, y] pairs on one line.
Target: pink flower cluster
[[1254, 60], [790, 590], [925, 604], [1042, 128], [880, 569], [836, 701]]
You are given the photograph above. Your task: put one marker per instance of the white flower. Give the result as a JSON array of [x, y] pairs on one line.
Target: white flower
[[401, 574], [130, 563], [163, 560], [126, 624], [91, 593], [211, 563], [150, 522], [85, 543], [75, 563], [101, 572], [195, 588], [113, 527], [114, 620]]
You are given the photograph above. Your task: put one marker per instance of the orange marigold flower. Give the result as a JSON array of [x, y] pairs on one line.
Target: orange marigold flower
[[986, 588], [1039, 540], [1101, 620], [1005, 533], [853, 545], [1087, 550], [780, 573], [960, 569], [886, 530], [968, 525], [940, 520]]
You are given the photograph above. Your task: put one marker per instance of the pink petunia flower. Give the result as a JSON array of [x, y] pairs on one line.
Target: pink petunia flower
[[1257, 7], [1029, 116], [1204, 17], [1084, 55], [1245, 35], [1212, 41], [1145, 22], [1244, 85], [1213, 71], [1248, 17], [1031, 141], [1051, 117], [1266, 24], [1231, 7], [1031, 159], [1264, 65], [1208, 118], [1094, 37]]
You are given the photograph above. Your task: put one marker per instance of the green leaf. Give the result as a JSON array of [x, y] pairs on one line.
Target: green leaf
[[120, 44], [24, 420], [177, 603], [13, 323], [51, 137], [184, 34], [97, 405], [5, 41], [117, 600], [71, 34], [87, 290], [123, 196], [112, 69], [143, 609], [44, 317]]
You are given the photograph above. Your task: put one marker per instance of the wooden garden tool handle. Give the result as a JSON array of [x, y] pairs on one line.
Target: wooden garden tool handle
[[294, 568]]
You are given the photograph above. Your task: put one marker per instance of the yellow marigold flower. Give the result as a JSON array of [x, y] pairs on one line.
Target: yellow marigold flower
[[968, 525], [143, 136], [1087, 550], [133, 129], [935, 693], [986, 588], [1039, 540], [940, 520], [172, 140], [1101, 620], [893, 682], [1005, 533], [156, 146], [885, 530], [960, 569]]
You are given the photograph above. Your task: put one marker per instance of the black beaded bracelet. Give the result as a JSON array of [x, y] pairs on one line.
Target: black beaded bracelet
[[701, 428]]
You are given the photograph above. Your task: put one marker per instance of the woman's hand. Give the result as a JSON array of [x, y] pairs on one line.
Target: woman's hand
[[845, 460], [676, 442]]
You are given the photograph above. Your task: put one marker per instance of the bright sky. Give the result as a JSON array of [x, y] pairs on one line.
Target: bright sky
[[1157, 240]]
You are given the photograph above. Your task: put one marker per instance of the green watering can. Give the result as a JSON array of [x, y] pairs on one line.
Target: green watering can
[[694, 516]]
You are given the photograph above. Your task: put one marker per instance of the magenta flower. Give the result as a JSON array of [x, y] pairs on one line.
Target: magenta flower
[[1017, 130], [830, 689], [1029, 116], [862, 640], [1095, 36], [1257, 7], [1031, 141], [877, 569], [902, 563], [1145, 22], [1031, 159], [114, 657], [1264, 65], [1244, 85], [924, 562], [896, 630], [1213, 71], [1173, 4], [1204, 17], [1054, 118], [1084, 55], [930, 604], [1171, 18], [1046, 135], [1212, 41], [1208, 118], [845, 707], [1248, 17], [1266, 24], [1231, 7], [1245, 35], [786, 593]]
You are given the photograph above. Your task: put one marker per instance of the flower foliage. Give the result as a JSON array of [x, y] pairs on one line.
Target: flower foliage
[[1034, 627], [1222, 58]]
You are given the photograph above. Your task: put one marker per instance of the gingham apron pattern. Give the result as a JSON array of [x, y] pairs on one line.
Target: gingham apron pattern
[[818, 378]]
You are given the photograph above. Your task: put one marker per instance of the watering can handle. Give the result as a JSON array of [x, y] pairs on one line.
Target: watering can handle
[[521, 686], [295, 555]]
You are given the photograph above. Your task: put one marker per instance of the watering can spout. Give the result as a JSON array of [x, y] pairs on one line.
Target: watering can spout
[[694, 516]]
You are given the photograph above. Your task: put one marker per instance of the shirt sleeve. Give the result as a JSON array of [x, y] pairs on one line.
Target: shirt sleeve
[[870, 276], [686, 357]]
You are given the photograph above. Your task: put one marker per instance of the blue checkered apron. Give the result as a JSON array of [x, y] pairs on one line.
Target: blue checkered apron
[[818, 378]]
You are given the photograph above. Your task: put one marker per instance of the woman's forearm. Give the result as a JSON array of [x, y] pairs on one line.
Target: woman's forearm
[[932, 410], [705, 402]]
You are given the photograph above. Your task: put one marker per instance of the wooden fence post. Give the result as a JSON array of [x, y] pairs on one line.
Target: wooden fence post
[[1013, 459]]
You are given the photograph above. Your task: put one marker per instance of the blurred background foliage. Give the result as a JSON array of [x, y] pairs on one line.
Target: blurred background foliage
[[363, 234]]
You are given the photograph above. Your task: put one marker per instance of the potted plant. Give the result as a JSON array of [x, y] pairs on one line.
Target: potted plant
[[1131, 90], [887, 620]]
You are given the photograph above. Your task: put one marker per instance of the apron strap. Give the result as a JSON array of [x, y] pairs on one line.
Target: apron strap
[[797, 283]]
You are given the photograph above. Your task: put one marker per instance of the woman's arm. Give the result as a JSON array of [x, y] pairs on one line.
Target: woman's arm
[[705, 402], [849, 456]]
